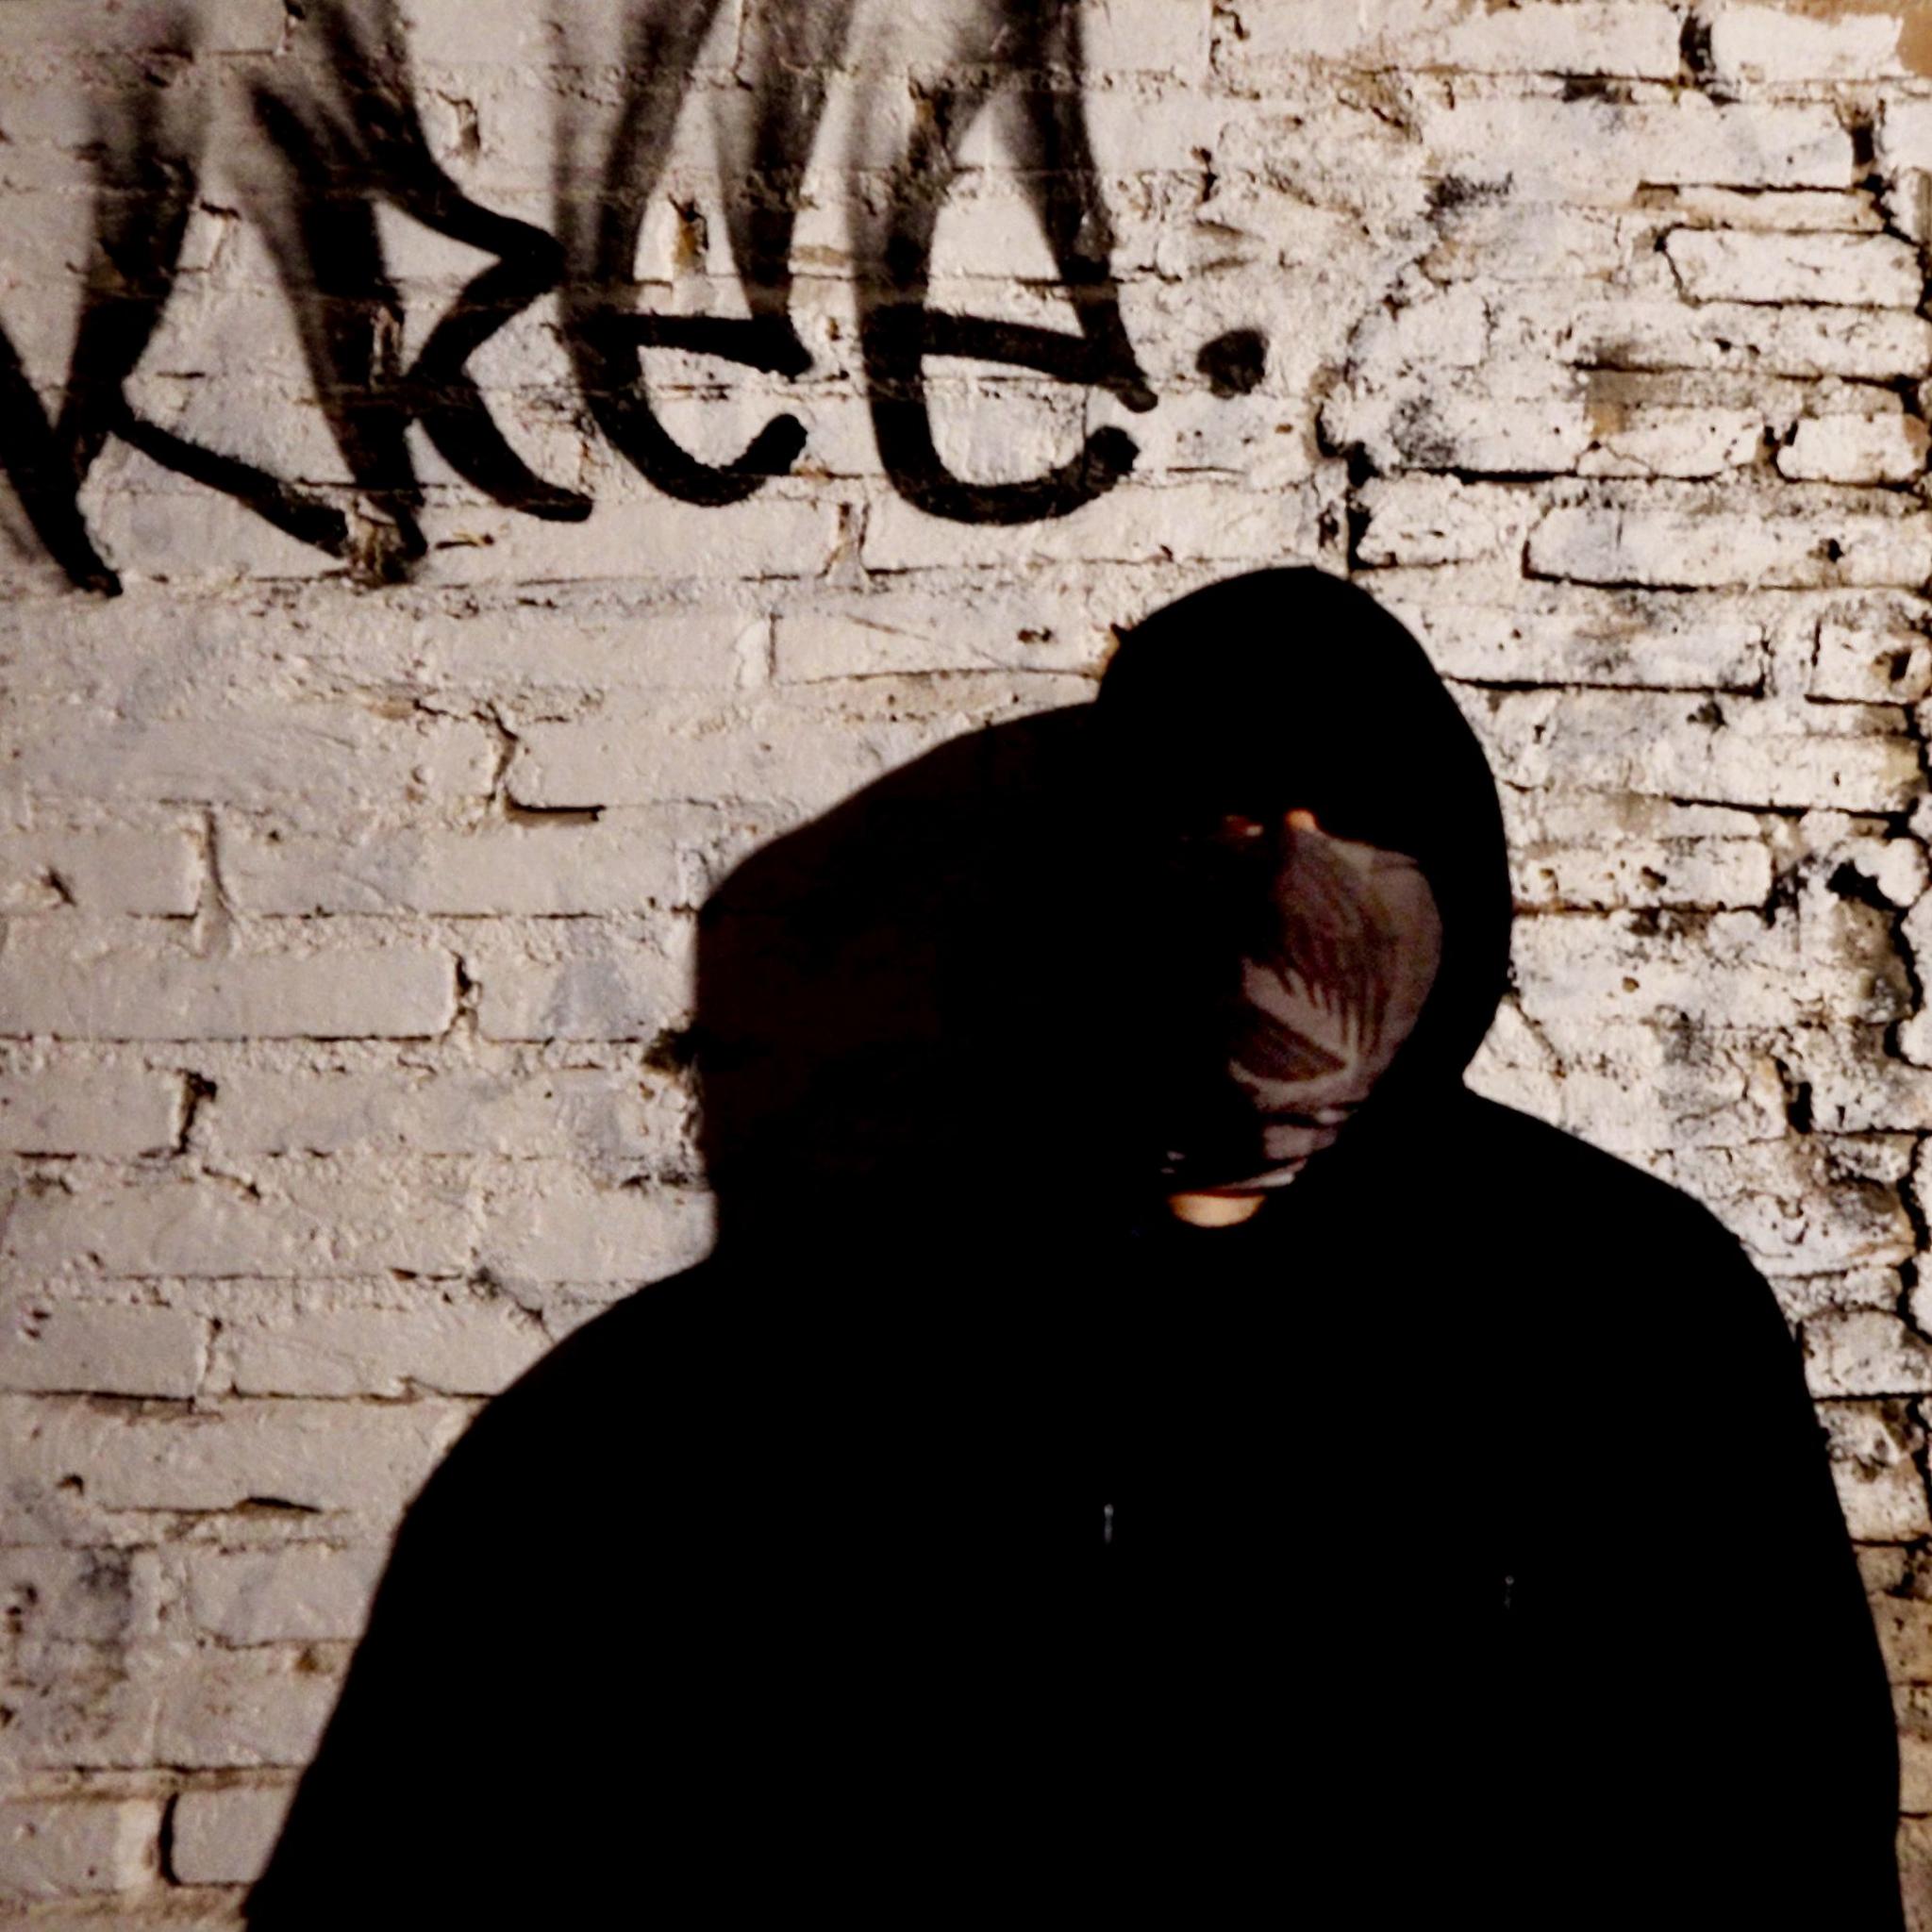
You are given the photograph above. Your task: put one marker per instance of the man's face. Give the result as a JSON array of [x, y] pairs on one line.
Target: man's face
[[1322, 953]]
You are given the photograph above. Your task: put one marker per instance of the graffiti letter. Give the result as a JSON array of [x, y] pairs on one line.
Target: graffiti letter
[[790, 53], [352, 139], [898, 331], [144, 189]]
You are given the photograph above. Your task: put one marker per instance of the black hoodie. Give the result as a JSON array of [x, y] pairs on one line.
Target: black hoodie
[[971, 1537]]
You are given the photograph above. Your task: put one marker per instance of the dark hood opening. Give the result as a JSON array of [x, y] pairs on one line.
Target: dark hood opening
[[1292, 689]]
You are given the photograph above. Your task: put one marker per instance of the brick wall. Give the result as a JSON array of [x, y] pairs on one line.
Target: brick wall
[[382, 701]]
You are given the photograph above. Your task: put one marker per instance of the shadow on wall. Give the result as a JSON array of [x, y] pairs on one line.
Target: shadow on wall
[[889, 999], [877, 992]]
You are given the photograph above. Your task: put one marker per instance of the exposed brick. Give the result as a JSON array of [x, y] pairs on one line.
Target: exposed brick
[[1732, 750], [1596, 330], [1861, 665], [1628, 545], [593, 988], [1801, 1298], [1595, 150], [1674, 443], [1855, 1089], [1583, 638], [1866, 1352], [1429, 331], [1634, 38], [447, 1347], [1862, 271], [805, 748], [54, 1848], [896, 631], [81, 1596], [1725, 968], [1895, 869], [618, 864], [635, 1236], [585, 1112], [68, 1110], [1415, 519], [224, 1836], [85, 1707], [1756, 44], [49, 985], [284, 1218], [1164, 37], [1632, 1086], [597, 637], [1806, 1206], [1701, 872], [1915, 1868], [1915, 1751], [265, 1704], [308, 1592], [1883, 1569], [1782, 207], [1131, 524], [1474, 434], [319, 1456], [141, 872], [323, 760], [1856, 449], [1905, 133], [1879, 1487], [1904, 1634], [112, 1348]]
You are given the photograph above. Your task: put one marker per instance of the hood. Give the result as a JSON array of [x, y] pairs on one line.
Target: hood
[[1283, 691], [942, 993]]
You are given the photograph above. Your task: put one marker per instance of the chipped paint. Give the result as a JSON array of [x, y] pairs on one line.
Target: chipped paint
[[1913, 19]]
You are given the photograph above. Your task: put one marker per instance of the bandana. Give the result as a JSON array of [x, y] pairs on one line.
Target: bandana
[[1301, 965]]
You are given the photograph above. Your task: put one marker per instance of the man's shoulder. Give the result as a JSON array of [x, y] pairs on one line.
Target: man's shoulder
[[1620, 1257], [1569, 1177]]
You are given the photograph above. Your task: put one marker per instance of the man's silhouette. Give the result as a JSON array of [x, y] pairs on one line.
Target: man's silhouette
[[1148, 1437]]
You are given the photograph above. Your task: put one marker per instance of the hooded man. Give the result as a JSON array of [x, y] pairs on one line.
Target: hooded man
[[1215, 1466]]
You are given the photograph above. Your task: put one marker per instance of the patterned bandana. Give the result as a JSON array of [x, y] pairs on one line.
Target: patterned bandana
[[1307, 959]]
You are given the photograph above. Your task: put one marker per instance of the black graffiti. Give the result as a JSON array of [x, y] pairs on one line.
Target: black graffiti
[[606, 334], [898, 330], [349, 140], [342, 137], [44, 479], [145, 167]]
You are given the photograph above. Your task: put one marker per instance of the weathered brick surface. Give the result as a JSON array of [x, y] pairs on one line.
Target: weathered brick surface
[[102, 991], [305, 1591], [349, 871], [108, 870], [54, 1848], [63, 1109], [222, 1836], [51, 1342]]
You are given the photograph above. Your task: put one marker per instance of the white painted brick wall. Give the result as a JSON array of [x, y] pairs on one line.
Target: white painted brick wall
[[56, 1849], [223, 1833], [344, 922]]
